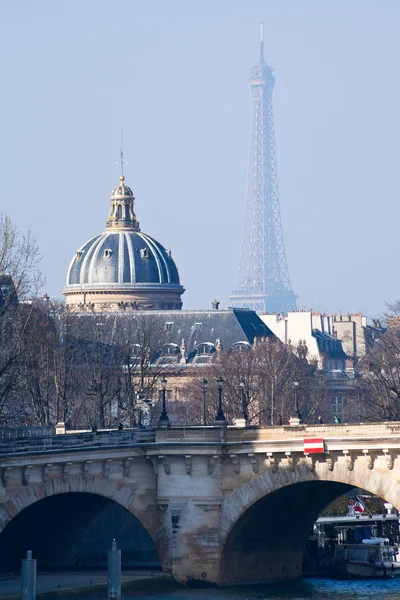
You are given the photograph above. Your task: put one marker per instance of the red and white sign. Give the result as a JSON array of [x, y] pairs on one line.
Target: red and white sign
[[314, 446]]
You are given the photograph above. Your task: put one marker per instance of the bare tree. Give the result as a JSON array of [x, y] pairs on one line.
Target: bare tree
[[258, 383], [19, 260], [379, 387], [142, 341]]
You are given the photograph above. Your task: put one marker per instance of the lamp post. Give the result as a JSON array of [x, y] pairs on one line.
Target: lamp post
[[220, 420], [163, 421], [244, 403], [295, 420], [204, 384]]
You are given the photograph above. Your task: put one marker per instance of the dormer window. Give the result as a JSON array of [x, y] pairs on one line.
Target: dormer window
[[78, 254], [169, 325], [198, 326], [107, 254], [144, 253]]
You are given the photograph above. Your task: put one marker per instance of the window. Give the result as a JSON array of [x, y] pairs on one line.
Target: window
[[337, 405], [206, 348], [169, 325], [135, 350], [198, 326], [240, 346], [170, 350], [119, 212], [168, 394]]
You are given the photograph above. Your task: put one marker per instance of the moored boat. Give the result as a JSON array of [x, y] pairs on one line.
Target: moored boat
[[374, 558]]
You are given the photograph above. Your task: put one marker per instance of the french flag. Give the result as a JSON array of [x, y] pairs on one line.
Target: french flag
[[314, 446], [358, 506]]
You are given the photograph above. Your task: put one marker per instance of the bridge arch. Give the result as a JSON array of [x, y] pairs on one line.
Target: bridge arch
[[264, 525], [70, 508]]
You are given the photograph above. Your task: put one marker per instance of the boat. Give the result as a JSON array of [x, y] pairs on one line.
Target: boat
[[373, 558]]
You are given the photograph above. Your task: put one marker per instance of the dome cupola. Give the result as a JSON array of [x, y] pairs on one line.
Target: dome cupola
[[122, 213], [122, 267]]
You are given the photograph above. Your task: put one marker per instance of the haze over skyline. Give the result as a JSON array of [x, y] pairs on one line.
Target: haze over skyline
[[174, 76]]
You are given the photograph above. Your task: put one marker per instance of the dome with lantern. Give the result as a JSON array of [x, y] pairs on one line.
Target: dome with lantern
[[122, 267]]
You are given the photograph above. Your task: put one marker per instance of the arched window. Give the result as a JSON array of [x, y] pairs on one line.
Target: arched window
[[170, 350], [240, 346], [119, 212], [135, 351], [205, 348]]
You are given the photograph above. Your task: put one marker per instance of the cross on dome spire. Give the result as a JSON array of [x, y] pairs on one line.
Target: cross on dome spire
[[122, 162]]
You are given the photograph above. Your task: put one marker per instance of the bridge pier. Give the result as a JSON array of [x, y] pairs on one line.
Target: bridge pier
[[195, 543]]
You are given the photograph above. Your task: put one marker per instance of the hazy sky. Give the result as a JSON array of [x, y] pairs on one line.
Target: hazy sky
[[174, 75]]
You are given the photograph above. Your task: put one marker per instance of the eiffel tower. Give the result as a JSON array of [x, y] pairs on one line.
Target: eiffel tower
[[263, 282]]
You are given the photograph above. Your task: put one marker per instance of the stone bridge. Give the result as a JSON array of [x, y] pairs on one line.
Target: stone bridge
[[222, 505]]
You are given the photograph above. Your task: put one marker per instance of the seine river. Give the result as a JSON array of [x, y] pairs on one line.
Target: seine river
[[306, 589]]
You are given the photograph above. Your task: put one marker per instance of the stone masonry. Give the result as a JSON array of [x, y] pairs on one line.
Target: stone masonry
[[222, 505]]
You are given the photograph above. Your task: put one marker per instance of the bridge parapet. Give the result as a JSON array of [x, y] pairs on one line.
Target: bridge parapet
[[76, 441], [276, 439], [257, 434]]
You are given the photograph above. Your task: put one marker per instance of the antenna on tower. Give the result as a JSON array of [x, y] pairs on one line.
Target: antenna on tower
[[261, 43]]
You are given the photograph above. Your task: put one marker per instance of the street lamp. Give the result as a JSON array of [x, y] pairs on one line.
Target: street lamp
[[163, 421], [297, 416], [204, 384], [220, 420], [244, 402]]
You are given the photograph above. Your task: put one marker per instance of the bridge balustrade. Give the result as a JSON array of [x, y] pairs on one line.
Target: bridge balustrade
[[101, 439]]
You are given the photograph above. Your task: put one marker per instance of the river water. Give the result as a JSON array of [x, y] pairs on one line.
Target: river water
[[305, 589]]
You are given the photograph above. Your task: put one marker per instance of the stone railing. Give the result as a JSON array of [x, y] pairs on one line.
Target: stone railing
[[254, 434], [25, 432], [337, 436], [76, 441]]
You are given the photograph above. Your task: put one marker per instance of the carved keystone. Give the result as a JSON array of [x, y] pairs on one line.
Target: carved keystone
[[254, 462], [329, 464], [106, 467], [349, 459], [368, 459], [127, 466], [154, 463], [26, 474], [6, 476], [188, 464], [236, 463], [388, 458], [86, 468], [272, 462], [66, 471], [291, 461], [46, 472], [166, 465], [211, 463], [310, 463]]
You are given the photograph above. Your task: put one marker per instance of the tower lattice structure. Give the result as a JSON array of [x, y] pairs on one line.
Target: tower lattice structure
[[263, 282]]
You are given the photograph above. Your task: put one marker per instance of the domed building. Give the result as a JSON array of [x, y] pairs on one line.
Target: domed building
[[122, 267]]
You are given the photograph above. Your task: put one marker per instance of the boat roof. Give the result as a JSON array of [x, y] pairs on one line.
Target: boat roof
[[356, 519]]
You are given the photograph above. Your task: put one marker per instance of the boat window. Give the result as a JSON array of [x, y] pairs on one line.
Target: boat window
[[359, 554]]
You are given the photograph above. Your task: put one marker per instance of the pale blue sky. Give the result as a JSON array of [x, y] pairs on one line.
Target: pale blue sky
[[174, 75]]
